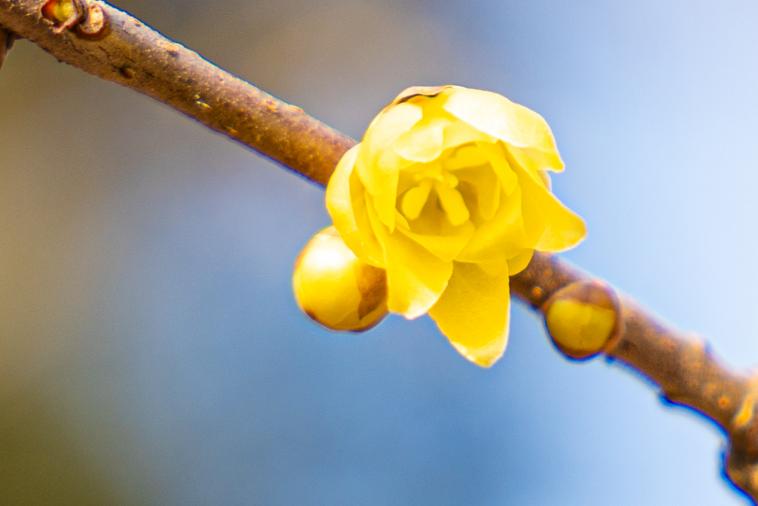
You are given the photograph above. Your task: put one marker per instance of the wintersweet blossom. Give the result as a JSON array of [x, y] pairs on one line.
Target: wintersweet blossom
[[448, 192]]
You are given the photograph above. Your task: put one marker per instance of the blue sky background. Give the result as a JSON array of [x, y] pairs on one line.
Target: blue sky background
[[150, 348]]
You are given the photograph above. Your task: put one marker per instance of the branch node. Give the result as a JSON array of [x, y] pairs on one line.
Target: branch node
[[86, 19]]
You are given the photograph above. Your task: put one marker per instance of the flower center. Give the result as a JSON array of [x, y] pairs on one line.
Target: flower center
[[435, 181]]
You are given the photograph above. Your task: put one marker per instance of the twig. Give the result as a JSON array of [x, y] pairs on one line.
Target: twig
[[682, 366], [132, 54], [135, 56]]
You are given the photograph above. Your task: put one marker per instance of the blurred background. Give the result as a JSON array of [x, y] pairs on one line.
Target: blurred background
[[150, 348]]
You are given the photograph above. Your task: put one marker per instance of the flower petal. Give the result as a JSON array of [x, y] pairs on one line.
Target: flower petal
[[390, 124], [467, 156], [418, 93], [508, 121], [534, 160], [377, 165], [381, 182], [447, 247], [340, 205], [473, 313], [484, 188], [415, 277], [550, 225], [458, 133], [520, 262], [433, 231], [501, 237], [498, 160], [423, 143]]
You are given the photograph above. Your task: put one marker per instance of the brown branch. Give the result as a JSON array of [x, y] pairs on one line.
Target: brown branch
[[682, 366], [6, 43], [133, 55], [117, 47]]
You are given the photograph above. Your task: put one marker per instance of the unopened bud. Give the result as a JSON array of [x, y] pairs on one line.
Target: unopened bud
[[335, 288], [582, 319], [60, 11]]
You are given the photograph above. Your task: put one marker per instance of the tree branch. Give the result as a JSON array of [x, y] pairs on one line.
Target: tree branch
[[133, 55], [114, 46], [6, 43], [682, 366]]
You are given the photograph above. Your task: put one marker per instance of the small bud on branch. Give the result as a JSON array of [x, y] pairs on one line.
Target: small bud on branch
[[583, 319], [88, 20], [335, 288]]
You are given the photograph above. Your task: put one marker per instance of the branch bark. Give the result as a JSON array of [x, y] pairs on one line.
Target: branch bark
[[130, 53], [681, 366], [6, 42]]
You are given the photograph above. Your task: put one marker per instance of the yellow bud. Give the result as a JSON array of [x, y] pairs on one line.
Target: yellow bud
[[59, 11], [582, 318], [336, 289]]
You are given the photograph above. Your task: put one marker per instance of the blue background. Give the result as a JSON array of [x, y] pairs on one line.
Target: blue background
[[150, 348]]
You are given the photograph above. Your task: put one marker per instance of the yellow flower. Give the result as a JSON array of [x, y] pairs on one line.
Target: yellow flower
[[449, 193]]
